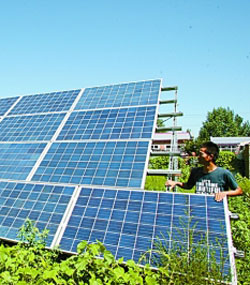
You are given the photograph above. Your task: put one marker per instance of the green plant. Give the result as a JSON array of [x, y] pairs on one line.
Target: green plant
[[226, 160], [241, 228], [28, 261], [188, 263], [156, 183]]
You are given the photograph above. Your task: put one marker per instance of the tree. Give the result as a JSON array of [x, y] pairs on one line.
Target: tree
[[222, 122]]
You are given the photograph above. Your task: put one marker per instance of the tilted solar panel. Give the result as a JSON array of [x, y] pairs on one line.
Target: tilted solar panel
[[30, 128], [47, 102], [54, 145], [126, 94], [18, 159], [44, 204], [123, 123], [113, 163], [6, 103], [131, 222]]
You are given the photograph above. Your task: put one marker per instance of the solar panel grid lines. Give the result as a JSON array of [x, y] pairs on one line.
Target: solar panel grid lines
[[67, 116], [230, 243], [113, 163], [127, 228], [17, 159], [44, 204], [38, 161], [129, 222], [66, 217], [146, 165], [6, 104], [124, 94], [122, 123], [46, 102], [40, 127]]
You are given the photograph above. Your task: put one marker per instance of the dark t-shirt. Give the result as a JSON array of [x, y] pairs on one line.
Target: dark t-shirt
[[213, 182]]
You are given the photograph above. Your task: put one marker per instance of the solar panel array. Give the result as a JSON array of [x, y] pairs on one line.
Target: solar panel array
[[6, 103], [131, 222], [18, 159], [44, 204], [114, 163], [30, 128], [106, 124], [130, 94], [47, 102], [75, 162]]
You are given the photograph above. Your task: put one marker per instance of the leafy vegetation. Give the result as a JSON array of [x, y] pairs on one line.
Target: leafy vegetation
[[239, 204], [30, 263], [241, 229], [222, 122]]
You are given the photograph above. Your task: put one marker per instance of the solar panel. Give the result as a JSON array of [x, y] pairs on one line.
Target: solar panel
[[128, 94], [30, 128], [113, 163], [18, 159], [44, 204], [67, 141], [123, 123], [47, 102], [6, 103], [131, 222]]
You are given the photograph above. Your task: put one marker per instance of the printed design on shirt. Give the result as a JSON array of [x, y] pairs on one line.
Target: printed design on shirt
[[207, 187]]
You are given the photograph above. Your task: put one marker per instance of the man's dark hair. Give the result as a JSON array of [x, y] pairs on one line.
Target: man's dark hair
[[212, 148]]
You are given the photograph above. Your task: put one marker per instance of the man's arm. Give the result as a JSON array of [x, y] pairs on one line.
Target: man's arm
[[172, 184], [185, 185], [219, 196]]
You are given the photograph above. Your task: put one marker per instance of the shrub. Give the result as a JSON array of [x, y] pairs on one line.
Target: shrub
[[241, 228]]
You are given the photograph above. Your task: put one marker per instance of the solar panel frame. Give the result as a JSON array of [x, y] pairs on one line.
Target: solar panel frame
[[46, 102], [45, 204], [10, 103], [39, 127], [17, 159], [118, 100], [113, 123], [129, 221], [112, 163], [118, 95]]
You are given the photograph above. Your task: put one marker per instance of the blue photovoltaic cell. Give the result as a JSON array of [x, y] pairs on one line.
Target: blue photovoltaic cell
[[129, 94], [30, 128], [114, 163], [17, 160], [41, 203], [5, 104], [124, 123], [131, 222], [47, 102]]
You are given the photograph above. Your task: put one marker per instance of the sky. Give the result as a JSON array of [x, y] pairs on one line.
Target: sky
[[201, 46]]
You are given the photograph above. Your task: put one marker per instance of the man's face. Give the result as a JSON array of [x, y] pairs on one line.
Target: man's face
[[204, 157]]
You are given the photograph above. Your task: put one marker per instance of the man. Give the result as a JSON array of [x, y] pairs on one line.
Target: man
[[209, 178]]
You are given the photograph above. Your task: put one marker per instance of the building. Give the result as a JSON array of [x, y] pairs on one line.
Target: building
[[229, 143], [162, 141]]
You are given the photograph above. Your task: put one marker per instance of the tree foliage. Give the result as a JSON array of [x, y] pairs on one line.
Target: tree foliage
[[222, 122]]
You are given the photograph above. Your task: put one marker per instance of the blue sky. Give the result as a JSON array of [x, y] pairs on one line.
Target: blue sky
[[201, 46]]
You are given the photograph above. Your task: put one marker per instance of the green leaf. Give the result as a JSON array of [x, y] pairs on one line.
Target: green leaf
[[6, 276], [82, 246], [50, 274]]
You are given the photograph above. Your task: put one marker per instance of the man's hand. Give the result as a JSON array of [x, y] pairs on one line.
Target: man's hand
[[170, 184], [219, 196]]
